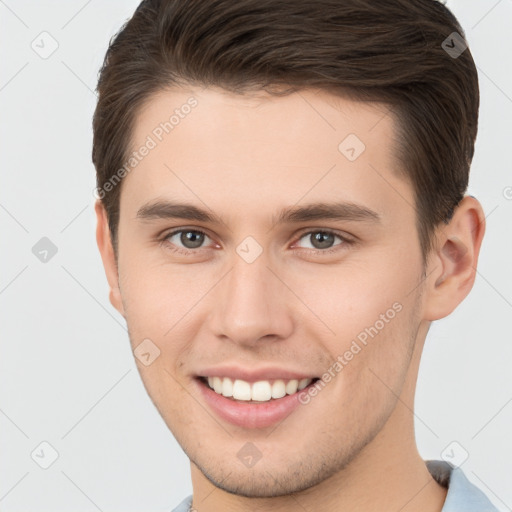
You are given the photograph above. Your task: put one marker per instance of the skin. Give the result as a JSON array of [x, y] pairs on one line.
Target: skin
[[245, 158]]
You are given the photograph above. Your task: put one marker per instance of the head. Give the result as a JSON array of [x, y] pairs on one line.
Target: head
[[263, 115]]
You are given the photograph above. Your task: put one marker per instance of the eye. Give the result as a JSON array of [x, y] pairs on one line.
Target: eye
[[323, 240], [188, 239]]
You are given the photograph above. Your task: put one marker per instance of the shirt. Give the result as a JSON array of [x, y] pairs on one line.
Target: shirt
[[462, 495]]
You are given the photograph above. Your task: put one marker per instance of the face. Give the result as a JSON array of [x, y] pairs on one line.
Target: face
[[268, 249]]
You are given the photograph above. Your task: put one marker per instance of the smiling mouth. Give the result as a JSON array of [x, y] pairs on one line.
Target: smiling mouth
[[260, 391]]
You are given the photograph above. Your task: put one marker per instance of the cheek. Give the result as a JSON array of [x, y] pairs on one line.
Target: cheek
[[350, 298], [161, 298], [160, 305], [371, 314], [370, 363], [158, 296]]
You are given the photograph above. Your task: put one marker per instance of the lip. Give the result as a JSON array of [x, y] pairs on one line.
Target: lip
[[253, 375], [253, 415]]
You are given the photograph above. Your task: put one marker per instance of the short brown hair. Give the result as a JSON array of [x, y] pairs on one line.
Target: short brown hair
[[389, 51]]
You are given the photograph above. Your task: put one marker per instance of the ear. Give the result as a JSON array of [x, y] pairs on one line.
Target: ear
[[104, 241], [452, 267]]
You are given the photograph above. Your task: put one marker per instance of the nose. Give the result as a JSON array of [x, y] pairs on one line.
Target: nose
[[252, 303]]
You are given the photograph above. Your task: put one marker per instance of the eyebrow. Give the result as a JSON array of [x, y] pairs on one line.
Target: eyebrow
[[295, 214]]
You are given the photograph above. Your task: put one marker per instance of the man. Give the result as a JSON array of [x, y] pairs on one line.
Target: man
[[281, 216]]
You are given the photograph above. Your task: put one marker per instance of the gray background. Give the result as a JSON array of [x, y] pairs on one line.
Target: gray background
[[67, 375]]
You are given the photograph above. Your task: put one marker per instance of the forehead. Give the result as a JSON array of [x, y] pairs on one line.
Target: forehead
[[263, 148], [215, 111]]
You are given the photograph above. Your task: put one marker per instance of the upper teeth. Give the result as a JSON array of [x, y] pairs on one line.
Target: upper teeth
[[260, 391]]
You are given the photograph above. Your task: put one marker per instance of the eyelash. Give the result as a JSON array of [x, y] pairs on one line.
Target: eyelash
[[345, 241]]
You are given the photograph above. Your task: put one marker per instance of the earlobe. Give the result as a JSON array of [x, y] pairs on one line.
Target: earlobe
[[104, 241], [456, 259]]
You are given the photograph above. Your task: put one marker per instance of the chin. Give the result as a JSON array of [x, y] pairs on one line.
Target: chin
[[265, 480]]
